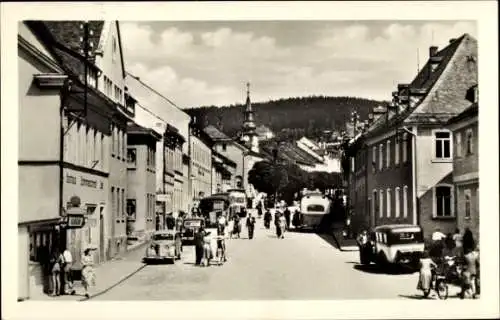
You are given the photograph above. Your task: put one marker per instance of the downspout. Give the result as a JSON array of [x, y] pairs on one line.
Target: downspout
[[189, 168], [416, 217], [61, 161], [414, 166]]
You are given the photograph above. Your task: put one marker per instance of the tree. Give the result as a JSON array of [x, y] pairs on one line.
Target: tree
[[268, 177]]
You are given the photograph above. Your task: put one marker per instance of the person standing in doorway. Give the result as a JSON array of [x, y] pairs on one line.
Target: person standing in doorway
[[68, 279], [250, 226]]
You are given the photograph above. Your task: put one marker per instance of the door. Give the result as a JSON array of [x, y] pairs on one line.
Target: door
[[101, 235]]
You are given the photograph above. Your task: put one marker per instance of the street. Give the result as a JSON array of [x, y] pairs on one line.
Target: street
[[301, 266]]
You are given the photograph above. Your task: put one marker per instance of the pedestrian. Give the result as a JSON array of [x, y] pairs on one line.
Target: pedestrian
[[56, 262], [287, 218], [425, 274], [198, 242], [281, 226], [221, 244], [468, 241], [88, 272], [457, 238], [236, 226], [277, 222], [207, 249], [267, 219], [250, 226], [68, 279], [471, 265]]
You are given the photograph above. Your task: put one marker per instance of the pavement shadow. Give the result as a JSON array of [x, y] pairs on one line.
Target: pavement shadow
[[414, 296], [376, 269], [331, 240]]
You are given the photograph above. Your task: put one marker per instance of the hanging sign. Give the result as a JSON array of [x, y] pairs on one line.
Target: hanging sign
[[75, 221]]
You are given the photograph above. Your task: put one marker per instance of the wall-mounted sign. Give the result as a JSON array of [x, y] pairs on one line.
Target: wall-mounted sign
[[76, 221], [88, 183], [70, 179]]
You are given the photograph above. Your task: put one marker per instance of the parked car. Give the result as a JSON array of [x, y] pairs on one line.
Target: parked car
[[165, 246], [191, 227], [394, 244]]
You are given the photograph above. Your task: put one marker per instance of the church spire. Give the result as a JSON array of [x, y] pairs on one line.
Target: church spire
[[249, 121]]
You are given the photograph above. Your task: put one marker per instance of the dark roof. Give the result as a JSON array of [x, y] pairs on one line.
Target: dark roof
[[215, 134], [471, 111], [68, 33], [137, 130], [224, 158], [427, 111], [289, 152]]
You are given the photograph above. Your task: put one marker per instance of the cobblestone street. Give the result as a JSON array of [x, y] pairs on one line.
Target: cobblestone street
[[301, 266]]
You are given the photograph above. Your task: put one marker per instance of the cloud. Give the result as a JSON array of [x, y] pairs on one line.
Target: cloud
[[209, 65]]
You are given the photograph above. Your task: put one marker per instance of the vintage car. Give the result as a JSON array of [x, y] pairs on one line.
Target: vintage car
[[393, 244], [190, 228], [165, 246]]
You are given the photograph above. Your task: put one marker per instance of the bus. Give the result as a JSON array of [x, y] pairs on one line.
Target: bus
[[314, 207], [212, 207], [238, 202]]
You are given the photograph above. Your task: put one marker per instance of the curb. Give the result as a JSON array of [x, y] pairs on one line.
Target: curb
[[114, 285], [347, 249]]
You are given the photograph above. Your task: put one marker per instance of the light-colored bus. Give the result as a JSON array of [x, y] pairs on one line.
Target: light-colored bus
[[237, 201], [314, 206]]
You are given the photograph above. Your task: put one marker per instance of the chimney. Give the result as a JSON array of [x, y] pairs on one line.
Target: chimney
[[432, 51]]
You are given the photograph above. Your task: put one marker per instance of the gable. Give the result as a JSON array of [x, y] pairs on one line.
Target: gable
[[448, 96], [109, 55], [25, 32]]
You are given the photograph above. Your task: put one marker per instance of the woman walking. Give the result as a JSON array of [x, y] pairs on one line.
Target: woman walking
[[425, 276], [88, 273], [56, 262]]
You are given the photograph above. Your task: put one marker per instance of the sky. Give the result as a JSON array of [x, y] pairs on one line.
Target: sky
[[202, 63]]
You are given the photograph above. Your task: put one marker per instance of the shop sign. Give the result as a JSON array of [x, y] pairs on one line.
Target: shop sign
[[162, 197], [88, 183], [75, 221], [70, 179]]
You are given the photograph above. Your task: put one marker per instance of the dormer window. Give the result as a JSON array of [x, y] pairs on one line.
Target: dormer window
[[115, 48]]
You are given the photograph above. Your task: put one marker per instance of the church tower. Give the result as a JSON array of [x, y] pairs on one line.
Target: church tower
[[249, 135]]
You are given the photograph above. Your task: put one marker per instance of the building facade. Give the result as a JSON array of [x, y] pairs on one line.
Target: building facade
[[156, 112], [466, 165], [40, 81], [408, 148], [223, 172], [141, 188], [200, 164]]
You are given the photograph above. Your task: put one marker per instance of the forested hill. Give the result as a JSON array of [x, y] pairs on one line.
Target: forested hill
[[303, 116]]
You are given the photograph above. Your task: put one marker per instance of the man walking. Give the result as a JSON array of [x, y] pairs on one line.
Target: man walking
[[250, 226]]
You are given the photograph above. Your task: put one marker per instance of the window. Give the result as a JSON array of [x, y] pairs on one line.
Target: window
[[388, 153], [115, 49], [113, 201], [381, 156], [396, 151], [405, 201], [396, 202], [352, 164], [442, 143], [443, 201], [224, 147], [389, 203], [469, 142], [113, 128], [131, 209], [458, 144], [374, 159], [132, 156], [381, 206], [467, 203], [405, 147], [124, 205]]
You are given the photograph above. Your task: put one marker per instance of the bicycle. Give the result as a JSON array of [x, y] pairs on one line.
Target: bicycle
[[221, 250]]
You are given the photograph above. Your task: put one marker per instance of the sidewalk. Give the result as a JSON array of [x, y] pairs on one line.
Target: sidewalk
[[108, 275], [344, 244]]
